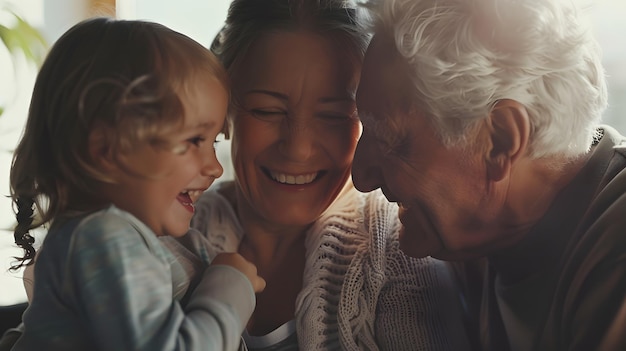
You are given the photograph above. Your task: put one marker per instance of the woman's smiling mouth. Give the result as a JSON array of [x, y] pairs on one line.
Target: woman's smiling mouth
[[293, 179]]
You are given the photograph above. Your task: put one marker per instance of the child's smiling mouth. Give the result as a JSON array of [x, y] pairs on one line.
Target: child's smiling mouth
[[188, 197]]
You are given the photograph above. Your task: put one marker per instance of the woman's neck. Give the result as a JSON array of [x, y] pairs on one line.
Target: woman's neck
[[268, 249], [264, 243], [279, 254]]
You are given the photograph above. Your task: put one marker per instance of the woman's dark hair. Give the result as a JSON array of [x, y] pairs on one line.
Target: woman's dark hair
[[247, 20]]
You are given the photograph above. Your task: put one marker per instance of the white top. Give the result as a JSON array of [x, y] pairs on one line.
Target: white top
[[278, 339]]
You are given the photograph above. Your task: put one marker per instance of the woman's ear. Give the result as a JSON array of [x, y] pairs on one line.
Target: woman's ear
[[509, 131]]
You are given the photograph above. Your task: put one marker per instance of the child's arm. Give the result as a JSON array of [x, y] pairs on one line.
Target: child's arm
[[238, 262], [125, 293]]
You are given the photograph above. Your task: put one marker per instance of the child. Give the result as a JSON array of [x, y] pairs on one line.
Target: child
[[117, 147]]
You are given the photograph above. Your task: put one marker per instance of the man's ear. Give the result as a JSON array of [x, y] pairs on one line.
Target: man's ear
[[509, 131]]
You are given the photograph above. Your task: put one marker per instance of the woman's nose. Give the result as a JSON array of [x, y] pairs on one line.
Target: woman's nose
[[298, 140]]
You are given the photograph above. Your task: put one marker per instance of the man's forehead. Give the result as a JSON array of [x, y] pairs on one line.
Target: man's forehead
[[370, 85], [385, 86], [380, 57]]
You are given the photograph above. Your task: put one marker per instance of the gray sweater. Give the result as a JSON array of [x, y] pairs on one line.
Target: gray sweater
[[564, 287], [105, 282]]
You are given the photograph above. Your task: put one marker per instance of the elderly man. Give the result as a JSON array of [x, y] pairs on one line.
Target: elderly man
[[481, 121]]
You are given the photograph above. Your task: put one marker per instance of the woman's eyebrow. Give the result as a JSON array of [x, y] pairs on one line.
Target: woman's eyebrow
[[284, 97], [275, 94]]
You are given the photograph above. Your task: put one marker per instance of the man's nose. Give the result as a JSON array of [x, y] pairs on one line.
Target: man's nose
[[366, 172]]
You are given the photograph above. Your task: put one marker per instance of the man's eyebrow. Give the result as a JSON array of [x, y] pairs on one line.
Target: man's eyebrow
[[366, 117], [336, 99]]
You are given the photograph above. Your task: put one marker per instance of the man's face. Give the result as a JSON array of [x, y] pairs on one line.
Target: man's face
[[442, 192]]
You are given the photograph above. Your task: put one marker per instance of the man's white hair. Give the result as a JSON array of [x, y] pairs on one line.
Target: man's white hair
[[465, 55]]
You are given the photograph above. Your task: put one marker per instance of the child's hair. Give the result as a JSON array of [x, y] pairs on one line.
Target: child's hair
[[124, 77]]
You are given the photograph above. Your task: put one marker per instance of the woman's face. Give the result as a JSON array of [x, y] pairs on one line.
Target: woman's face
[[296, 126]]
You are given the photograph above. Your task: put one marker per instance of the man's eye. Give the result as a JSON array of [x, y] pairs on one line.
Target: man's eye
[[388, 144]]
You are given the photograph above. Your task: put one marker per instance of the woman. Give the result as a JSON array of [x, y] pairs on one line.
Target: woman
[[336, 278]]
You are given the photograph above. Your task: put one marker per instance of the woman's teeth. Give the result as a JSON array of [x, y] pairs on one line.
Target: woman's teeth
[[291, 179]]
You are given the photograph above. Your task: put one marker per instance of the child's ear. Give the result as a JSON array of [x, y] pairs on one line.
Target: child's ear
[[508, 134], [100, 151]]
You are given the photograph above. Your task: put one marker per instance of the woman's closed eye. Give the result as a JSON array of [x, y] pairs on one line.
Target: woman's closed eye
[[267, 114]]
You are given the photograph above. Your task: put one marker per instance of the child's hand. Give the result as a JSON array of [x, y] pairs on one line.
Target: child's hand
[[246, 267]]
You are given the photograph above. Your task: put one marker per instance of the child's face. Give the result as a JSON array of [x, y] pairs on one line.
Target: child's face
[[175, 178]]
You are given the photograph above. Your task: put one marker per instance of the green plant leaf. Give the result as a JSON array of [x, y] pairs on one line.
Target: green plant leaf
[[20, 39], [23, 38], [8, 38], [32, 42]]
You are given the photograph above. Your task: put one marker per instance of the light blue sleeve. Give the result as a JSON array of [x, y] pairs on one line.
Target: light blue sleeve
[[125, 294]]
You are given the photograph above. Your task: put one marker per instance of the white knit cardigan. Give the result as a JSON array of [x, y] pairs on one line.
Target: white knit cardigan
[[360, 292]]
